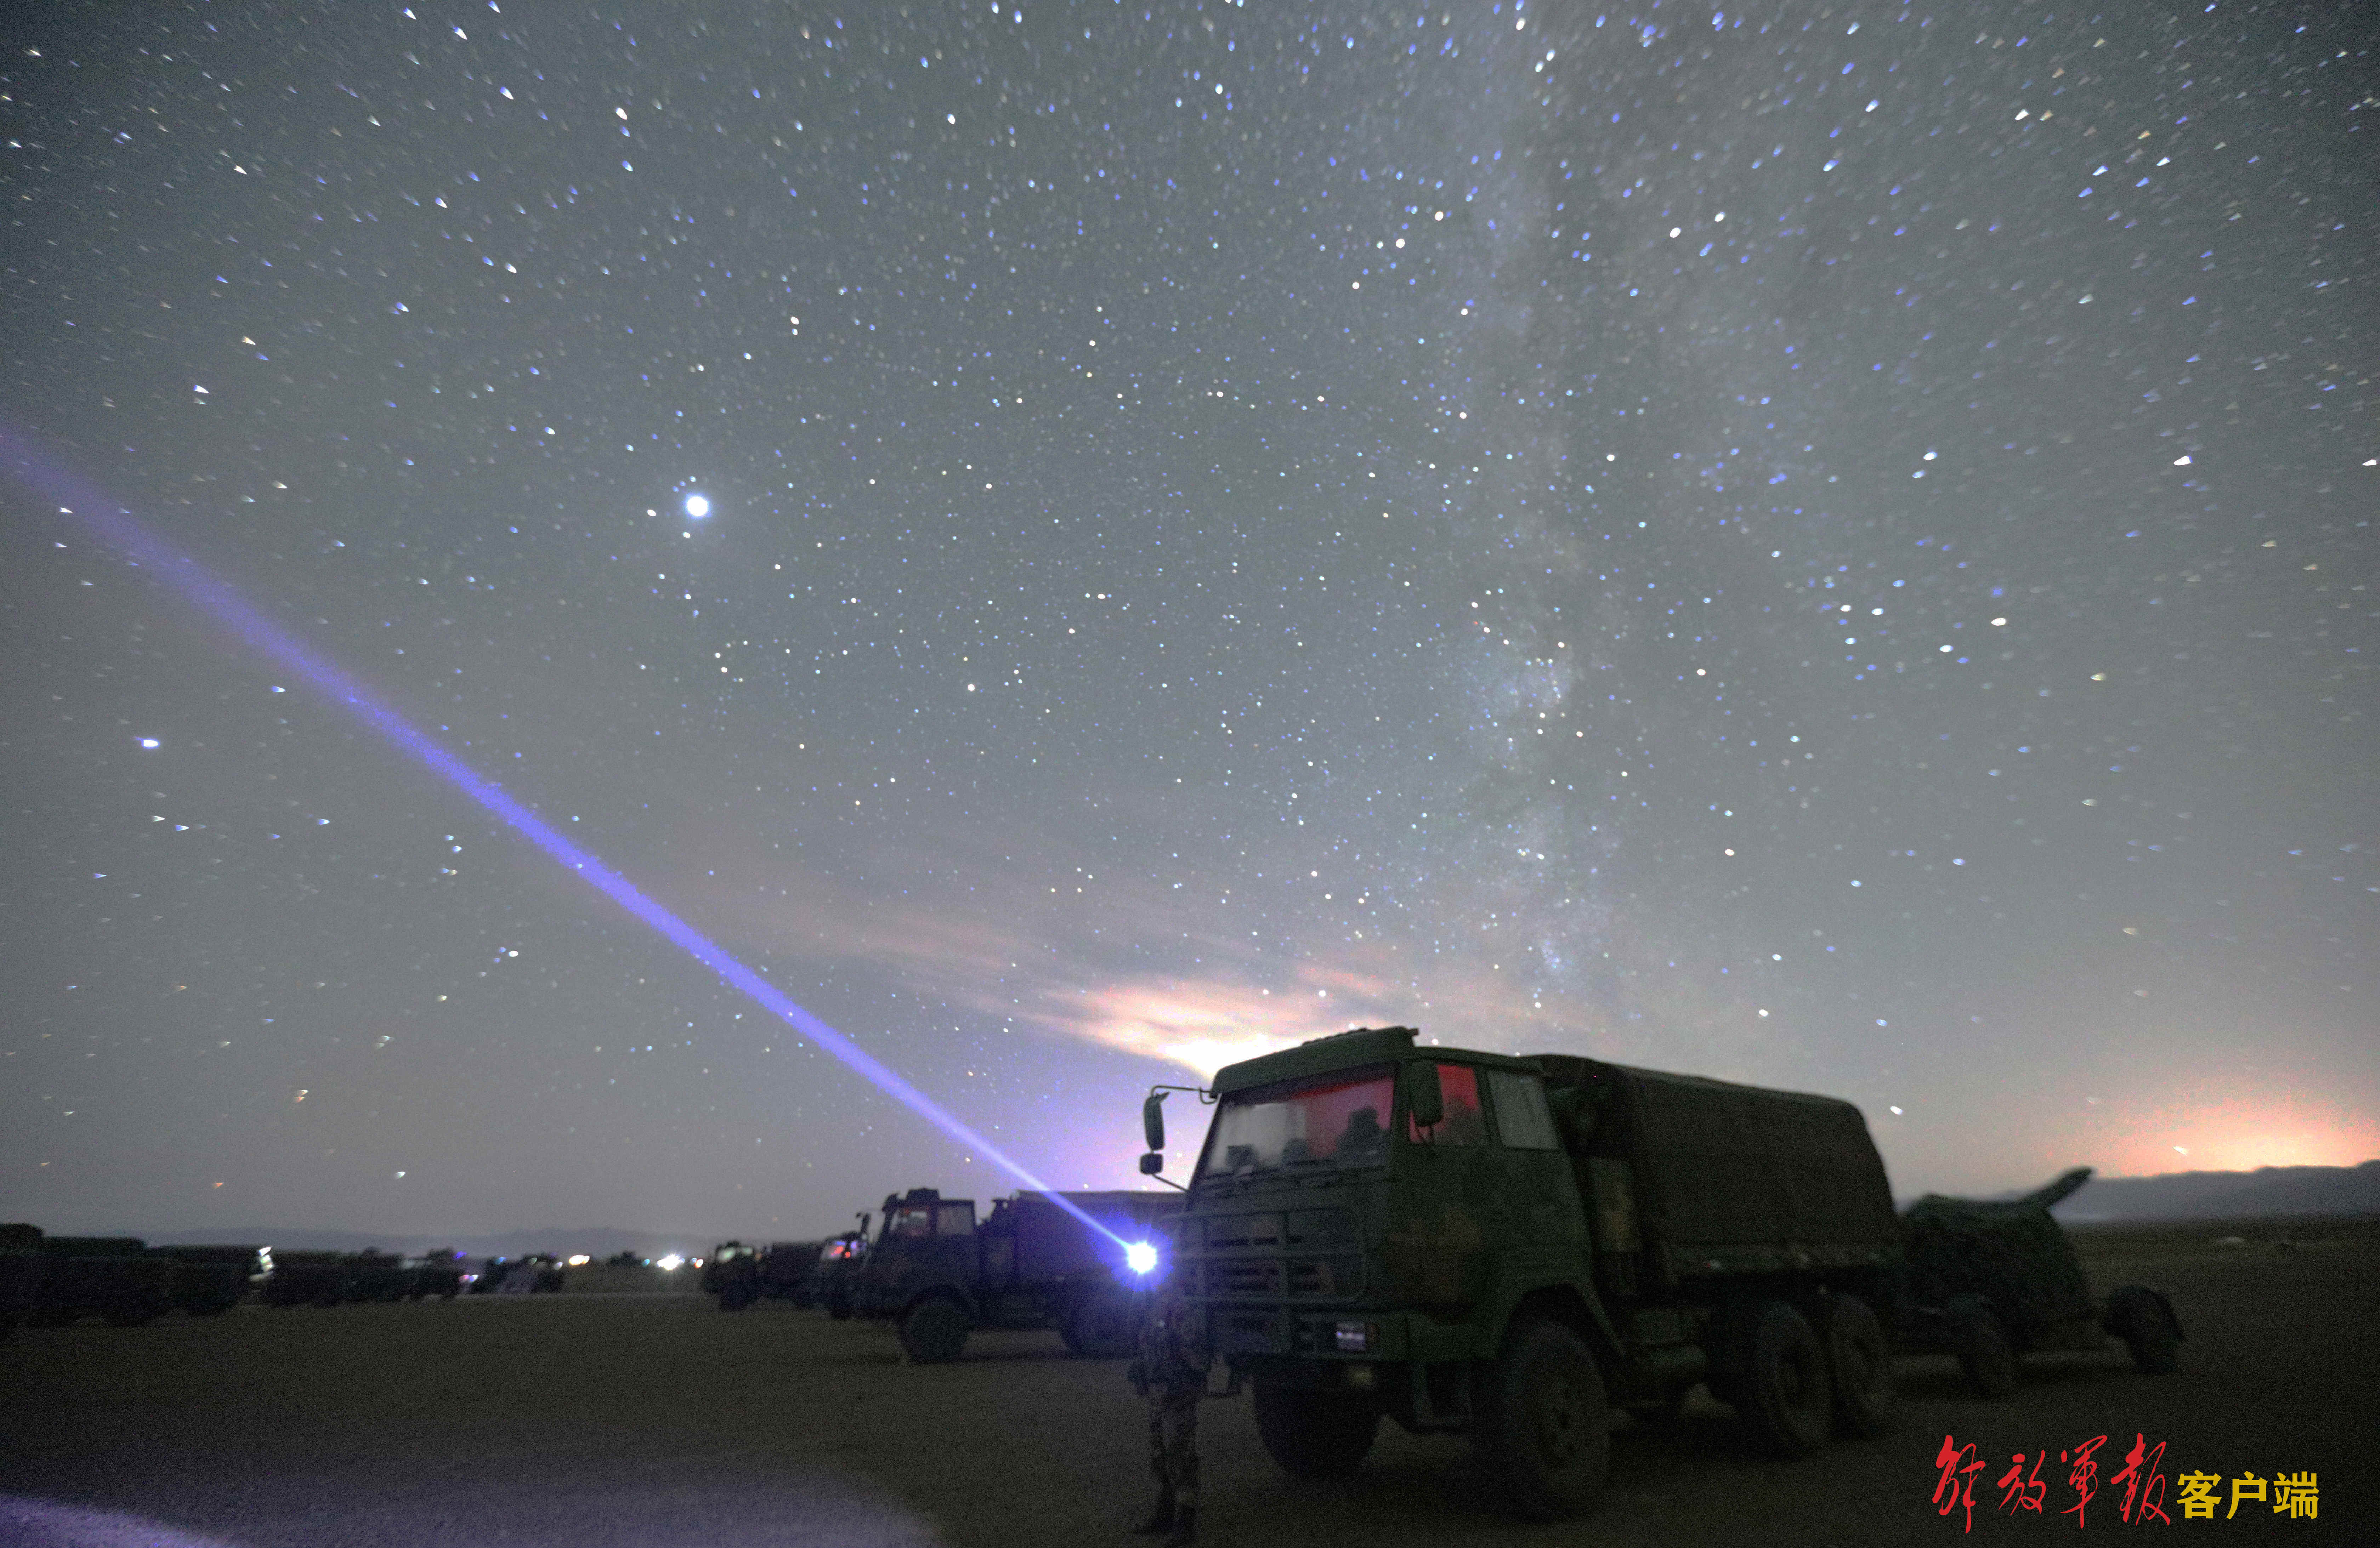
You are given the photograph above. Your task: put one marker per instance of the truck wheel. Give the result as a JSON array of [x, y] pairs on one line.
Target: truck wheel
[[1104, 1325], [1543, 1425], [1981, 1345], [1788, 1401], [735, 1298], [1314, 1434], [838, 1306], [935, 1332], [1859, 1360], [2144, 1321]]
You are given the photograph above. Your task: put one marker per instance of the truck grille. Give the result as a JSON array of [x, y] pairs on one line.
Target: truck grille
[[1305, 1254]]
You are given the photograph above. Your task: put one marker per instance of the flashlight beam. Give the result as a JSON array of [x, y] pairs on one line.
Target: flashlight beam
[[120, 530]]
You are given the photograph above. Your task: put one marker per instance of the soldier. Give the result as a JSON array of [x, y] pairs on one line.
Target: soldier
[[1172, 1373]]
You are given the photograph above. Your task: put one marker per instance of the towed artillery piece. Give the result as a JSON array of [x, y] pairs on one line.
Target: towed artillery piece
[[1991, 1281]]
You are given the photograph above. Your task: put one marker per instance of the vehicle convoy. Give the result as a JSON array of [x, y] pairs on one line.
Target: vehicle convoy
[[1990, 1281], [937, 1273], [1504, 1247]]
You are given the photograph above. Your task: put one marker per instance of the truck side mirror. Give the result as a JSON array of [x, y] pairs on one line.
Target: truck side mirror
[[1425, 1097], [1152, 1124], [1152, 1164]]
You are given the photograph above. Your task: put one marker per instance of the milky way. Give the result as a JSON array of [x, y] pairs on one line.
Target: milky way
[[1090, 541]]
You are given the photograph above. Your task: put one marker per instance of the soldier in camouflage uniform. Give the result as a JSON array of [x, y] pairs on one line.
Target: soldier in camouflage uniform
[[1172, 1373]]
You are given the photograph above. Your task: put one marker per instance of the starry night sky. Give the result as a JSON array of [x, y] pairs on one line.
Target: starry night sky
[[1825, 547]]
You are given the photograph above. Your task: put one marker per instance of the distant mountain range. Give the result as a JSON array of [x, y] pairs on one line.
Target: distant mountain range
[[2266, 1191], [598, 1242]]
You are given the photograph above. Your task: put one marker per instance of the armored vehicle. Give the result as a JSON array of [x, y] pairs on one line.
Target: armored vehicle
[[938, 1273], [1504, 1247], [1991, 1281]]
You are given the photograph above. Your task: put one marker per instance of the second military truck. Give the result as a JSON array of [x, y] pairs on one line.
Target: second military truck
[[1506, 1247], [938, 1273]]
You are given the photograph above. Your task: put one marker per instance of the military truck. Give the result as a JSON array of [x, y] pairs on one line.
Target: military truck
[[536, 1273], [207, 1281], [1503, 1247], [1991, 1281], [21, 1266], [787, 1269], [732, 1274], [116, 1278], [436, 1274], [937, 1273], [834, 1283], [307, 1278]]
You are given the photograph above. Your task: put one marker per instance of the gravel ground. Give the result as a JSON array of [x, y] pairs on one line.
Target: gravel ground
[[588, 1421]]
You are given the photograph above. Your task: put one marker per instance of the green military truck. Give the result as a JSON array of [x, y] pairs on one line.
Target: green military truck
[[937, 1273], [833, 1283], [1505, 1247], [207, 1281]]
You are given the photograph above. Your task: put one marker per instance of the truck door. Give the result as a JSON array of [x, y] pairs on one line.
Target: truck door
[[1546, 1228], [1445, 1229]]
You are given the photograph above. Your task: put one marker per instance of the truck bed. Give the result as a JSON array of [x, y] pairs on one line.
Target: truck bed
[[1711, 1178]]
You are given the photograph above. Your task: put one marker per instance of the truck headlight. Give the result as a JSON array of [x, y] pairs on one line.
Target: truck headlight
[[1140, 1257]]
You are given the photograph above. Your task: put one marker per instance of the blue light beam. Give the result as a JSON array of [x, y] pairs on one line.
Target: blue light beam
[[119, 530]]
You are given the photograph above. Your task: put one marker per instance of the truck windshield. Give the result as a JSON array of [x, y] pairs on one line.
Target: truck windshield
[[1332, 1121]]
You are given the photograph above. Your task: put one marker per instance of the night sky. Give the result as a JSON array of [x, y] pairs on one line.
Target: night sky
[[1825, 547]]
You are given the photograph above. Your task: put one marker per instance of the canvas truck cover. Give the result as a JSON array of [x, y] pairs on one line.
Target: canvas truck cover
[[1052, 1245], [1724, 1179]]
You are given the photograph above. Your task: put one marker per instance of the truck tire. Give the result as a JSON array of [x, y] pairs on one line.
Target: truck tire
[[838, 1306], [1981, 1345], [1104, 1324], [1542, 1424], [1314, 1434], [1788, 1401], [934, 1332], [734, 1297], [1859, 1361], [2145, 1323]]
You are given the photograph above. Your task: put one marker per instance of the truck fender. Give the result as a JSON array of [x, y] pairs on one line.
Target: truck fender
[[1579, 1309]]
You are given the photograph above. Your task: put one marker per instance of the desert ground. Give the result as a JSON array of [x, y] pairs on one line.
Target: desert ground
[[594, 1419]]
